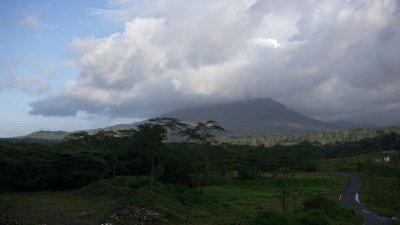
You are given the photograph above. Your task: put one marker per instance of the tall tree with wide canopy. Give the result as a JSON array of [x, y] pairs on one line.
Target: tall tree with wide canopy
[[152, 135], [203, 133]]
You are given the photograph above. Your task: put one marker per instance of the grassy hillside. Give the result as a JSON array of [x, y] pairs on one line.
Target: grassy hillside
[[233, 201]]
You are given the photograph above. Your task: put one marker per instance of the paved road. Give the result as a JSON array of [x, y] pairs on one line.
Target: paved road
[[350, 200]]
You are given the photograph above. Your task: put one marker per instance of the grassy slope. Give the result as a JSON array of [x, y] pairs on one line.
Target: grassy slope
[[227, 203], [58, 208], [381, 190], [381, 194]]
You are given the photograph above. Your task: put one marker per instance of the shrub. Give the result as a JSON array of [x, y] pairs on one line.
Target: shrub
[[317, 203], [129, 181], [272, 218], [247, 173], [115, 187], [103, 188]]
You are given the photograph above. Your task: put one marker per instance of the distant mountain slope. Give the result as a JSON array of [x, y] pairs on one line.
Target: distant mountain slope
[[117, 127], [348, 125], [242, 118], [256, 116], [50, 135]]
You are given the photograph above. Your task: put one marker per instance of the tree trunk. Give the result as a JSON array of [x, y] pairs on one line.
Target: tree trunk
[[201, 187], [28, 180], [114, 167], [152, 173], [206, 162]]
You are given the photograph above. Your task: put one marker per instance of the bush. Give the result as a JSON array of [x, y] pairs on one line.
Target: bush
[[317, 203], [116, 187], [318, 210], [129, 181], [247, 173], [102, 188], [70, 170], [272, 218]]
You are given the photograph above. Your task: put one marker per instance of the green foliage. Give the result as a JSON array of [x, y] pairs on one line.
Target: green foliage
[[202, 132], [31, 221], [317, 203], [381, 187], [150, 135], [129, 181], [380, 191], [76, 170], [84, 158], [318, 138], [117, 168], [381, 194], [222, 204], [272, 218], [248, 173], [116, 187], [317, 210]]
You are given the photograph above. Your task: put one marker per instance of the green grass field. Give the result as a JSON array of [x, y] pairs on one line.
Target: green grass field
[[58, 208], [231, 202], [381, 190], [381, 194]]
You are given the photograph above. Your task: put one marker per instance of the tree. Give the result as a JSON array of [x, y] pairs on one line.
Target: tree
[[70, 170], [284, 197], [203, 133], [151, 136], [76, 135], [310, 168]]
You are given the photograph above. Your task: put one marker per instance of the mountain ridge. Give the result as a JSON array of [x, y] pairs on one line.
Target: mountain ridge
[[239, 118], [255, 116]]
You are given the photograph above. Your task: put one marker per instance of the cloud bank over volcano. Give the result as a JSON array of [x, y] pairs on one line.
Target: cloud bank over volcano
[[331, 60]]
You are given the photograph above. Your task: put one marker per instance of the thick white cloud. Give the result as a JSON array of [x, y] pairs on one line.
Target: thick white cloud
[[329, 59]]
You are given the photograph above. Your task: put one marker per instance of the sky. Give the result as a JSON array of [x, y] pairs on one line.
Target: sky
[[72, 65]]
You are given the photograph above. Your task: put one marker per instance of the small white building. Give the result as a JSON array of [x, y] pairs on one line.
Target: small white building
[[386, 158]]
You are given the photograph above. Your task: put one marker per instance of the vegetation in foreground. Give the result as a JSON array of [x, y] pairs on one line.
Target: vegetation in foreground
[[136, 176], [129, 200], [381, 188]]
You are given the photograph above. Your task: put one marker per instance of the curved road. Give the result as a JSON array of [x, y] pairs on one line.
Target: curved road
[[349, 199]]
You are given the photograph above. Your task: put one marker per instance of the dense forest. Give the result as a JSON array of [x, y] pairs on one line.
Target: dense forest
[[319, 138], [199, 161]]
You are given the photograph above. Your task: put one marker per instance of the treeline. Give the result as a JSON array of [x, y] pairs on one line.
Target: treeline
[[197, 162], [319, 138], [73, 164]]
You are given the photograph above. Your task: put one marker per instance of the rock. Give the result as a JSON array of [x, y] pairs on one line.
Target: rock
[[84, 215], [7, 218], [141, 216], [396, 218]]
